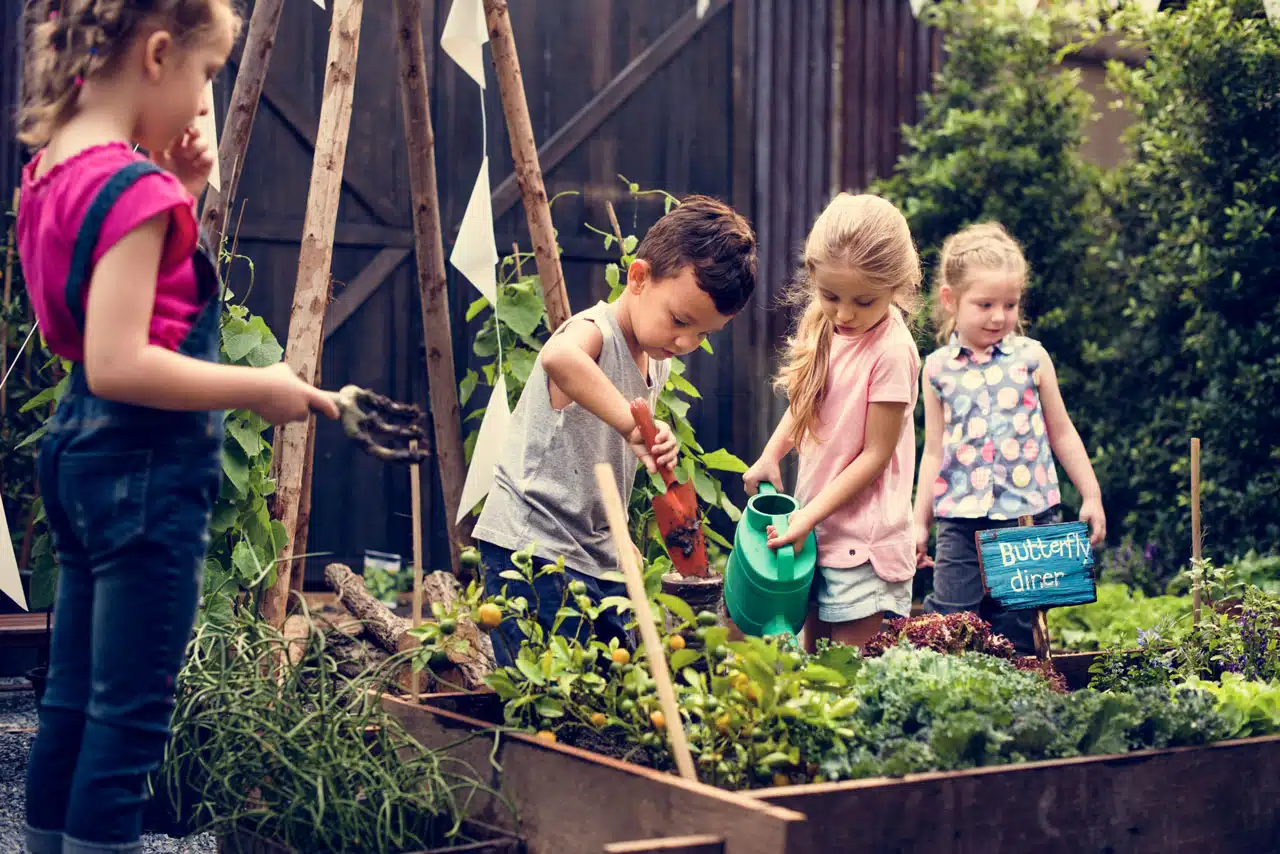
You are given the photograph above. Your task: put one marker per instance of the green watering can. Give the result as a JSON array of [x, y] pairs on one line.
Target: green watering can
[[767, 591]]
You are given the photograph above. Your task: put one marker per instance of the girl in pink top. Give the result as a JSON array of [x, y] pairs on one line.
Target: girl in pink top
[[131, 461], [850, 378]]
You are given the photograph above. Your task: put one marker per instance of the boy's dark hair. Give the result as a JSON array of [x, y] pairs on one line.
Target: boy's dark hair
[[712, 238]]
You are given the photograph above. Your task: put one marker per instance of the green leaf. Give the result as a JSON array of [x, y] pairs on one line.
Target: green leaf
[[722, 460], [705, 485], [682, 658], [520, 362], [40, 399], [730, 509], [677, 606], [678, 406], [706, 345], [248, 438], [620, 603], [36, 436], [467, 386], [521, 307], [246, 563], [476, 307], [679, 383], [825, 675], [236, 468], [629, 243], [549, 707], [239, 345], [612, 275]]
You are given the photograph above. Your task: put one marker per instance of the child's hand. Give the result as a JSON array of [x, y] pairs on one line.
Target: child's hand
[[287, 398], [923, 561], [665, 450], [762, 470], [189, 158], [798, 528], [1092, 513]]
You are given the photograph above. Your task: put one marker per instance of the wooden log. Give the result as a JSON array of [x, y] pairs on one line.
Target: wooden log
[[383, 626], [391, 632], [524, 150], [306, 320], [252, 74], [442, 379]]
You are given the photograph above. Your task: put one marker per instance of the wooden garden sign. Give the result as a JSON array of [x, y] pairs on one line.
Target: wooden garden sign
[[1038, 567]]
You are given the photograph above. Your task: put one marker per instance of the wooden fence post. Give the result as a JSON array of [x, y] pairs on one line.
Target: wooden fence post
[[524, 150], [315, 257], [442, 381], [258, 44]]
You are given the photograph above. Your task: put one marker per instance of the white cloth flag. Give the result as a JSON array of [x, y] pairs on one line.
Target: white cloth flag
[[10, 579], [465, 33], [493, 435], [475, 253], [208, 128]]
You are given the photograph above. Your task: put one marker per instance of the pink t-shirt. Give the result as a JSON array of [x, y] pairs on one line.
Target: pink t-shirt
[[878, 366], [49, 215]]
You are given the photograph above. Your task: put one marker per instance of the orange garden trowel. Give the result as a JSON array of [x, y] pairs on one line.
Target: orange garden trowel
[[676, 511]]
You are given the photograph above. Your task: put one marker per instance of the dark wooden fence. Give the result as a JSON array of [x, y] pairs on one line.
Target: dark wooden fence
[[770, 104]]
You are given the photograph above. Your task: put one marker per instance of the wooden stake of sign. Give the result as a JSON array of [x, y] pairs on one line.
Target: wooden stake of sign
[[306, 320], [442, 385], [415, 485], [1040, 627], [656, 655], [236, 129], [1196, 544], [524, 150]]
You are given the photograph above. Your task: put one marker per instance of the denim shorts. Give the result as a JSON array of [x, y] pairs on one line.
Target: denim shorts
[[852, 593]]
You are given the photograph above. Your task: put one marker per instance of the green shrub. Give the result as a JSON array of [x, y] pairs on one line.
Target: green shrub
[[1197, 254]]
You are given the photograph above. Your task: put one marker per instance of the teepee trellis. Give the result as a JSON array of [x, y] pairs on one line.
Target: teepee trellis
[[306, 327]]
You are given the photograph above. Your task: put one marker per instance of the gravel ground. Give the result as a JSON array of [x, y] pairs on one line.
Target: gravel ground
[[17, 719]]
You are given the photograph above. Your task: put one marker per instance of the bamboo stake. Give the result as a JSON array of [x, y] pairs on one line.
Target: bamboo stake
[[656, 655], [415, 483], [442, 379], [524, 150], [306, 320], [1196, 543], [250, 77]]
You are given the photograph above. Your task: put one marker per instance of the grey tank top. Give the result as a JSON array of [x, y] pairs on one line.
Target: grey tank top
[[544, 490]]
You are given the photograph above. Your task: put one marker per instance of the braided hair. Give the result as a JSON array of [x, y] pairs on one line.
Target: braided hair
[[73, 40]]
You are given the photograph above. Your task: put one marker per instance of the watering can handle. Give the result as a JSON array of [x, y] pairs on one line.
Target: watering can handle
[[786, 555], [766, 488]]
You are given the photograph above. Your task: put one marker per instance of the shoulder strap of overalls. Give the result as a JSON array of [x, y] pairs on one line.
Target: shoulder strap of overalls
[[87, 238]]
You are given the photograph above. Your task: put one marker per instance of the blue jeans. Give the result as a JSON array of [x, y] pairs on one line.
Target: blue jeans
[[957, 579], [546, 595], [132, 532]]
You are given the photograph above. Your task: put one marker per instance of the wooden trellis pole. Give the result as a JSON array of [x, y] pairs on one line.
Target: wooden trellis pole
[[442, 381], [315, 257], [524, 151], [258, 44]]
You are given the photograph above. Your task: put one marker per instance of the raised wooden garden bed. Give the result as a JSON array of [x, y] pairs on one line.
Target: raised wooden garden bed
[[570, 801], [1223, 797], [476, 839]]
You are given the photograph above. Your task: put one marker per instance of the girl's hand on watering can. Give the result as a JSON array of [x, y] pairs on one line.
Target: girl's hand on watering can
[[798, 527], [762, 471]]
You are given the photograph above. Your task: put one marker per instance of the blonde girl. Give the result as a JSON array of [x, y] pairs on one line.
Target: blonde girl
[[131, 462], [850, 379], [994, 425]]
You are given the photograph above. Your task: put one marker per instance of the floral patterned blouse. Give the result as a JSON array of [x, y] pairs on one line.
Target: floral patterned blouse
[[996, 460]]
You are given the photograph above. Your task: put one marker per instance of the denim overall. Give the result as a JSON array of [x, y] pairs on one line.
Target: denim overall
[[128, 491]]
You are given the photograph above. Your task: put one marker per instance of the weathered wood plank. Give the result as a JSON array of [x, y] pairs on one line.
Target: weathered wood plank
[[306, 320], [701, 844], [238, 125], [594, 801], [528, 172], [585, 122], [1219, 799], [433, 291], [359, 289]]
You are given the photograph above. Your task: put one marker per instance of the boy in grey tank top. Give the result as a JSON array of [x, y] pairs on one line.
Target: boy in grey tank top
[[694, 270]]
